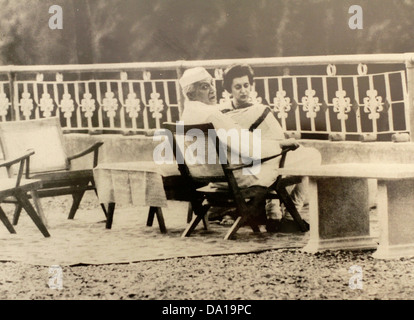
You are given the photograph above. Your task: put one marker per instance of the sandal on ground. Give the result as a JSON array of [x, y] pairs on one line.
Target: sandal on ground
[[227, 220]]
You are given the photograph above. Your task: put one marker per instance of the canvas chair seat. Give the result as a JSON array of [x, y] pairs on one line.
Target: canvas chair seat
[[64, 178], [219, 191]]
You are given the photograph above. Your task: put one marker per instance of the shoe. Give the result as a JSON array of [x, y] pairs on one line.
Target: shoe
[[227, 220], [289, 226], [218, 213], [272, 225]]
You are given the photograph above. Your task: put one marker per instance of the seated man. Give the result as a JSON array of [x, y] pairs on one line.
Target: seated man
[[200, 107], [238, 81]]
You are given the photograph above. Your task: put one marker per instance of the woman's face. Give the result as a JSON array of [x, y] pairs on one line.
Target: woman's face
[[240, 90], [205, 92]]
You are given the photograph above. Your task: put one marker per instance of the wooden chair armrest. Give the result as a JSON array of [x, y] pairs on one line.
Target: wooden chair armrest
[[288, 145], [262, 160], [23, 159], [11, 162], [94, 148]]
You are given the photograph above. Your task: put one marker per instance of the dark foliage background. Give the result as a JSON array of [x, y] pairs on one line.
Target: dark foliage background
[[97, 31]]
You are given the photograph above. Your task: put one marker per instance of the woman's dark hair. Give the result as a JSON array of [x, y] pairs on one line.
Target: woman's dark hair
[[236, 71]]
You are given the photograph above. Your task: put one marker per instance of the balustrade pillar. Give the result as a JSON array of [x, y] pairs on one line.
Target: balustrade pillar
[[13, 95], [410, 89], [180, 95]]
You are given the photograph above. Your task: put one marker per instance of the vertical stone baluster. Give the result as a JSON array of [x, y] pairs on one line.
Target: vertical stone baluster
[[254, 96], [311, 104], [282, 104], [406, 102], [110, 105], [26, 103], [325, 97], [144, 101], [124, 78], [4, 103], [79, 106], [356, 105], [331, 72], [14, 96], [39, 79], [67, 106], [179, 92], [59, 81], [132, 105], [156, 105], [99, 100], [46, 103], [56, 99], [409, 64], [341, 105], [296, 98], [373, 105], [88, 105], [266, 90], [225, 100], [167, 100], [388, 102], [218, 76]]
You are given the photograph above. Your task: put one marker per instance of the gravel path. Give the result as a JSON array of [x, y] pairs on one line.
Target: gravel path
[[278, 274], [270, 275]]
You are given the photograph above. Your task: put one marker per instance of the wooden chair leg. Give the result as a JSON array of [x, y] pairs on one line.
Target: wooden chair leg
[[16, 215], [156, 211], [39, 207], [104, 210], [6, 221], [25, 203], [160, 219], [236, 226], [193, 224], [291, 208], [102, 204], [77, 198], [151, 215], [189, 213], [205, 222], [109, 218]]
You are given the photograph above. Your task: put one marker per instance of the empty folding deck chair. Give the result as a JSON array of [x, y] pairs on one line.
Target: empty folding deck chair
[[50, 163]]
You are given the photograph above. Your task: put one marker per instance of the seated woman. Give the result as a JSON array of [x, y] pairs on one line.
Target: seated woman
[[238, 82]]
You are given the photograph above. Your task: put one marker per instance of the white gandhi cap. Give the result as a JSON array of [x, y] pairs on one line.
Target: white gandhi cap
[[193, 75]]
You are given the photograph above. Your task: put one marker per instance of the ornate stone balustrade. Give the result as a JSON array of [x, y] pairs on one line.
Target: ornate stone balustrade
[[353, 97]]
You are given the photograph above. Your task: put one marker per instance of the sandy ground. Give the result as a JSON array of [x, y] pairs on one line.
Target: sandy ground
[[269, 275]]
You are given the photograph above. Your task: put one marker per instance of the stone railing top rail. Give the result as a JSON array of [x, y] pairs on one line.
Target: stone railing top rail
[[394, 58]]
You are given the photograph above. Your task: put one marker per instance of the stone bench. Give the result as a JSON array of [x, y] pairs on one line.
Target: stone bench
[[339, 207]]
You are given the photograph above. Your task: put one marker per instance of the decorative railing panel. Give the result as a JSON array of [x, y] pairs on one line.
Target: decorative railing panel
[[338, 105], [99, 105], [138, 97]]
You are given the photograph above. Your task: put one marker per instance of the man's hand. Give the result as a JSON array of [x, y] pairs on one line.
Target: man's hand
[[290, 144]]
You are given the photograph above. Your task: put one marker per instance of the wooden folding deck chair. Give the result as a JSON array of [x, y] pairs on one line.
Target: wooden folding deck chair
[[17, 188], [245, 200], [50, 163]]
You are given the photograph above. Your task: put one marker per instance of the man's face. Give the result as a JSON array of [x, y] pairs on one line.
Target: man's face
[[240, 90], [205, 92]]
